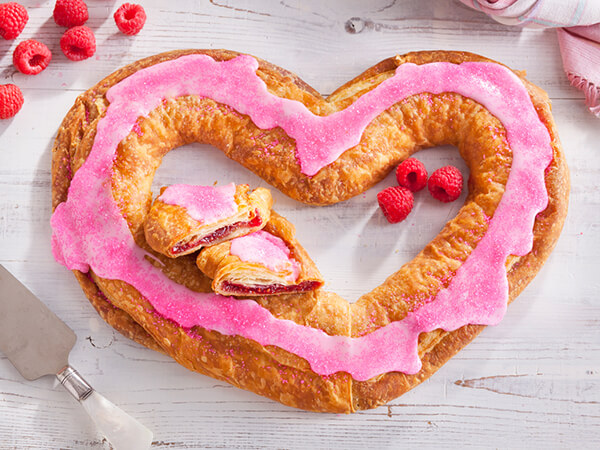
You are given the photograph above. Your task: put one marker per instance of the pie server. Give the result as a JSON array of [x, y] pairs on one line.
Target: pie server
[[38, 343]]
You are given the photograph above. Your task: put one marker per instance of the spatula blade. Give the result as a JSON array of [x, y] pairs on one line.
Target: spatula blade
[[33, 338]]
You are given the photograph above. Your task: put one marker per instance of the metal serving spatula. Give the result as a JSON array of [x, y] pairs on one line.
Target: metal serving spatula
[[38, 343]]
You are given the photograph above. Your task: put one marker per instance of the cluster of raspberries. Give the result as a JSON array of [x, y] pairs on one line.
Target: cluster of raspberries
[[396, 202], [77, 43]]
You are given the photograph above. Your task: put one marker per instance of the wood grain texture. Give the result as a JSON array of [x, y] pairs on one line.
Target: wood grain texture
[[532, 381]]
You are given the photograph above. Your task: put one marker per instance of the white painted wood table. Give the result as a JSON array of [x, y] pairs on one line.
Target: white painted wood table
[[532, 381]]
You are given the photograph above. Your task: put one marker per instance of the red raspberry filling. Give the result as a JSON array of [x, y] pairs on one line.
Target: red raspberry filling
[[218, 234], [240, 289]]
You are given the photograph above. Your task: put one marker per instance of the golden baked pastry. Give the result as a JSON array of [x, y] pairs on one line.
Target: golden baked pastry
[[311, 350], [232, 274], [171, 229]]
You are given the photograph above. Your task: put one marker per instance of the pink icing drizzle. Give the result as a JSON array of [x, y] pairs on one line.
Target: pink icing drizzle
[[270, 251], [202, 203], [89, 230]]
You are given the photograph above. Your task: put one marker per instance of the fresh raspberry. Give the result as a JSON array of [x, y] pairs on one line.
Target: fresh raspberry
[[78, 43], [412, 174], [130, 18], [445, 184], [13, 18], [70, 13], [11, 100], [396, 202], [31, 57]]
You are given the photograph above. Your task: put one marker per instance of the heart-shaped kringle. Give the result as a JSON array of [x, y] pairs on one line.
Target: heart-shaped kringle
[[328, 355]]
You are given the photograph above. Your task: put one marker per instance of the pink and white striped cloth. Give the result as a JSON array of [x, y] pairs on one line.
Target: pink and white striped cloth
[[578, 28]]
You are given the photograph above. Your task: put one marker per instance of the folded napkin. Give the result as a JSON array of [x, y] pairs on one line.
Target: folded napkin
[[578, 28]]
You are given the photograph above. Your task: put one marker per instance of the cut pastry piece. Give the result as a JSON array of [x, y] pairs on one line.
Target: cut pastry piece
[[267, 262], [185, 218]]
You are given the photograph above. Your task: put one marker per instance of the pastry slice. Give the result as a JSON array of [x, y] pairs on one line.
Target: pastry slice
[[266, 262], [185, 218]]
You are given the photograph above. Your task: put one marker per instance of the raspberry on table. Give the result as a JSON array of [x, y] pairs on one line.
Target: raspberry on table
[[396, 202], [13, 18], [31, 57], [78, 43], [445, 184], [11, 100], [130, 18], [70, 13], [411, 174]]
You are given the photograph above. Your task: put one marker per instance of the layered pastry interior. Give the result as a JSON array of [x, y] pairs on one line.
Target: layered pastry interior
[[185, 218], [266, 262]]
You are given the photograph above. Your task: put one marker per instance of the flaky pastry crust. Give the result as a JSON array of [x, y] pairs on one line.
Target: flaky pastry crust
[[217, 263], [171, 231], [415, 123]]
